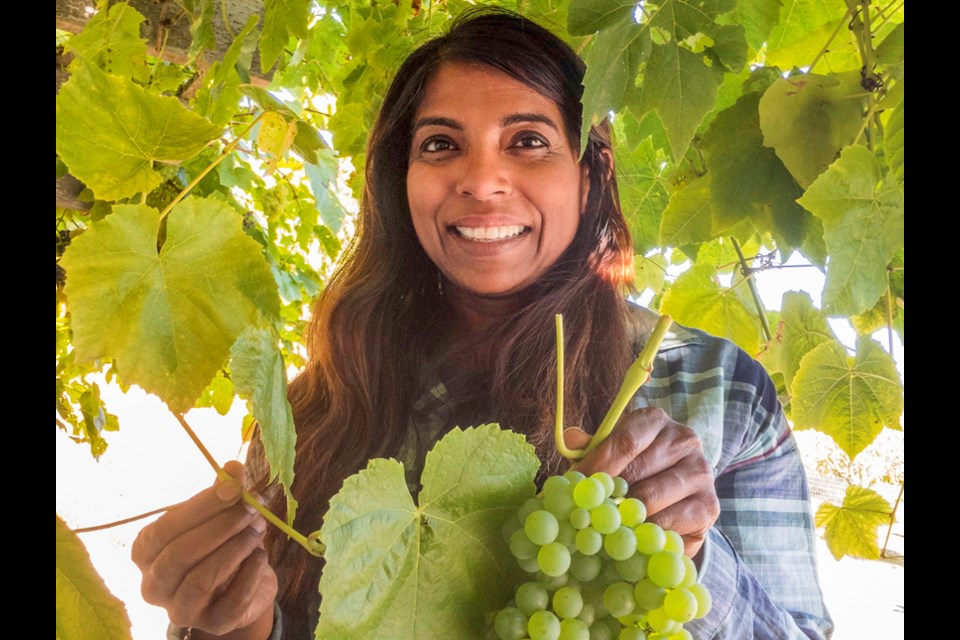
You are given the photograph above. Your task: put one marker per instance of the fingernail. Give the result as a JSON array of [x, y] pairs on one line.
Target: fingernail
[[229, 490], [259, 525]]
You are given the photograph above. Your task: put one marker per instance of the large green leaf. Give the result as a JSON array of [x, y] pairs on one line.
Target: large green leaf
[[219, 95], [642, 194], [587, 16], [258, 372], [86, 610], [612, 65], [399, 570], [802, 33], [863, 228], [110, 131], [802, 327], [696, 299], [169, 316], [758, 18], [281, 18], [808, 119], [749, 180], [893, 143], [851, 529], [650, 272], [689, 214], [112, 42], [849, 398]]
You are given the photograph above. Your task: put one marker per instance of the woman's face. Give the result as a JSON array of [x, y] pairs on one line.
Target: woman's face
[[494, 187]]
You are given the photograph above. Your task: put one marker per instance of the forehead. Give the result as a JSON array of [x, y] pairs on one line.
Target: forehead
[[460, 86]]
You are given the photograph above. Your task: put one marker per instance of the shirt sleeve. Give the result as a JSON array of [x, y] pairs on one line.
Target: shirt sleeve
[[759, 560], [177, 633]]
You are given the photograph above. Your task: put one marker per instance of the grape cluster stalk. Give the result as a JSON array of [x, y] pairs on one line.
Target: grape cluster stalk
[[596, 569]]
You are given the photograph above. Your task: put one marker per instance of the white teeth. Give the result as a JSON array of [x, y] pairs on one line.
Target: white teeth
[[491, 233]]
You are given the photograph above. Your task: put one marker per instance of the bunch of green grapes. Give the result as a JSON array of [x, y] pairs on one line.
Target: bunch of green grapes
[[596, 570]]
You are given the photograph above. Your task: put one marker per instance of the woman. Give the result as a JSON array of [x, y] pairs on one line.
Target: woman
[[479, 223]]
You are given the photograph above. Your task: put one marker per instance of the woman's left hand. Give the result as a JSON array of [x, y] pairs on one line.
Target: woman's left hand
[[663, 462]]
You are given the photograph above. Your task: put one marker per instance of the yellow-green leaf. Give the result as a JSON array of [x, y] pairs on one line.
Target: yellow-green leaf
[[86, 610], [689, 215], [863, 223], [893, 143], [169, 316], [435, 568], [803, 30], [851, 529], [258, 372], [112, 42], [587, 16], [808, 119], [274, 138], [281, 18], [642, 194], [696, 299], [849, 398], [649, 272], [110, 131], [802, 327]]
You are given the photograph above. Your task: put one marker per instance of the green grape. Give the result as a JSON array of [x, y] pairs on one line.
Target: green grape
[[682, 634], [584, 568], [556, 483], [541, 527], [666, 569], [574, 629], [632, 512], [589, 541], [589, 493], [650, 538], [587, 614], [648, 595], [621, 543], [554, 559], [620, 487], [680, 605], [529, 506], [574, 476], [567, 602], [552, 583], [560, 503], [567, 536], [633, 568], [605, 518], [580, 518], [600, 631], [531, 597], [690, 572], [521, 547], [659, 620], [529, 564], [606, 481], [704, 599], [632, 633], [510, 525], [510, 624], [543, 625], [618, 598], [674, 542]]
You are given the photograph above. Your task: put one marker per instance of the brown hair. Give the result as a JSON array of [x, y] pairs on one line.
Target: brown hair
[[377, 322]]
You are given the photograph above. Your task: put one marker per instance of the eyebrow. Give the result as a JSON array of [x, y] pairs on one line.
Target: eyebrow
[[513, 118]]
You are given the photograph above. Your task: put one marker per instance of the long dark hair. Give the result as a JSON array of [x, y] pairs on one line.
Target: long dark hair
[[375, 326]]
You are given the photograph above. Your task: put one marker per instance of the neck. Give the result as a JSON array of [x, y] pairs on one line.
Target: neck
[[475, 314]]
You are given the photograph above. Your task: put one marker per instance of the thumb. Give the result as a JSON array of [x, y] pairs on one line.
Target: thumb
[[575, 438]]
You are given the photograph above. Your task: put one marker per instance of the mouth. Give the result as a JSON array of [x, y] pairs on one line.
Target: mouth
[[491, 234]]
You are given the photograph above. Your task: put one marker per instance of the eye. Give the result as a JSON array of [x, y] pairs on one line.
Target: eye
[[530, 140], [436, 145]]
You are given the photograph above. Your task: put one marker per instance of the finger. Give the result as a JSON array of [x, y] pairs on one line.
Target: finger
[[632, 435], [692, 518], [677, 480], [185, 516], [169, 569], [575, 438], [251, 591], [209, 578]]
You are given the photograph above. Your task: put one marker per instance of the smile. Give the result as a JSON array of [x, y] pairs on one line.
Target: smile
[[492, 234]]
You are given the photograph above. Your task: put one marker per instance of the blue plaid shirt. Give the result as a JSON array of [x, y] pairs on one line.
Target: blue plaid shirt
[[759, 560]]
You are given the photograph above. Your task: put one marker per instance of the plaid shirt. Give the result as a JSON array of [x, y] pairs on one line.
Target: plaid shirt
[[759, 560]]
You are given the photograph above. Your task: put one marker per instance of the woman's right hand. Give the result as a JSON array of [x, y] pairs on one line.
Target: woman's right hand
[[205, 563]]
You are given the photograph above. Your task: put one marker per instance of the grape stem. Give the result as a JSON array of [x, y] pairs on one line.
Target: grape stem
[[636, 376], [313, 545]]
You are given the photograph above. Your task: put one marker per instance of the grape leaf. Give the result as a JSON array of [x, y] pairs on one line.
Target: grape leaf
[[851, 529], [612, 65], [112, 42], [219, 394], [863, 228], [689, 214], [758, 18], [280, 19], [808, 119], [169, 316], [85, 607], [851, 399], [642, 194], [258, 372], [274, 138], [804, 28], [219, 95], [396, 570], [201, 27], [749, 180], [890, 52], [802, 327], [649, 272], [696, 299], [587, 16], [109, 132], [893, 143]]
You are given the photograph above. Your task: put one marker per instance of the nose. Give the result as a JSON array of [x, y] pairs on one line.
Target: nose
[[485, 174]]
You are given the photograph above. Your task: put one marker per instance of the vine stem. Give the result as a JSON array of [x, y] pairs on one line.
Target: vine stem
[[748, 276], [226, 151], [889, 316], [117, 523], [314, 546], [893, 515], [636, 376]]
